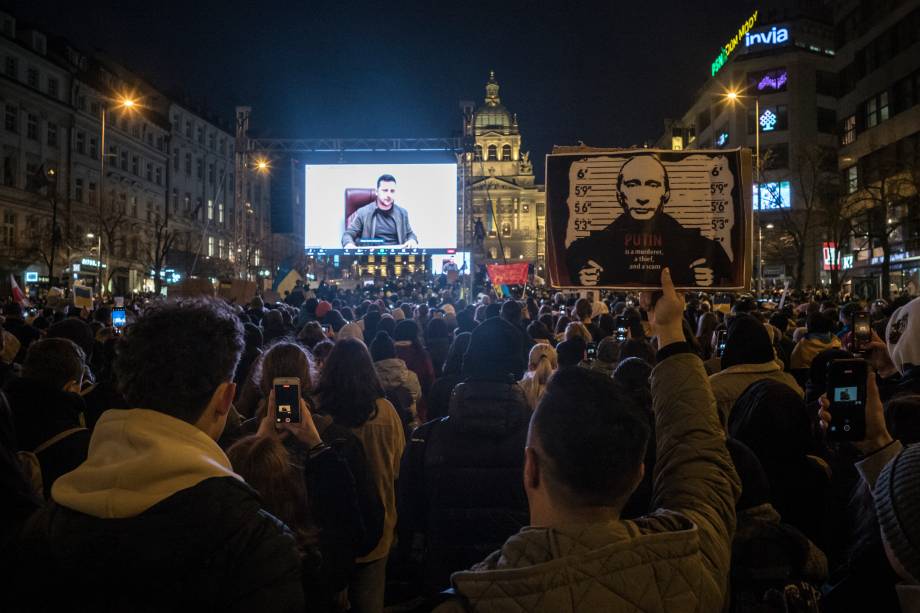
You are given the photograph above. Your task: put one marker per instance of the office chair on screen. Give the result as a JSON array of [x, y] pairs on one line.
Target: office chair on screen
[[355, 198]]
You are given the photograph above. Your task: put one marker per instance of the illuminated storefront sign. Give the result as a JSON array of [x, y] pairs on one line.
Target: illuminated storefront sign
[[31, 277], [768, 120], [773, 80], [775, 195], [773, 36], [829, 253], [846, 262], [722, 139], [729, 47]]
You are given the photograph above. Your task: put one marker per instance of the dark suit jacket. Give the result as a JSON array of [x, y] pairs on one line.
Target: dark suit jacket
[[364, 224]]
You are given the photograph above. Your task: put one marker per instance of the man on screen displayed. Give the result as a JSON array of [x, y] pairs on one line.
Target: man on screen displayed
[[382, 222], [644, 239]]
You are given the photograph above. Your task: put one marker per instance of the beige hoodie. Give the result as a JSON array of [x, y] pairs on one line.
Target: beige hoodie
[[138, 458]]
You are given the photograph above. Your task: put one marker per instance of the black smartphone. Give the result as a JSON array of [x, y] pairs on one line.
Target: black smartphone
[[287, 399], [622, 327], [118, 319], [592, 351], [862, 331], [720, 343], [846, 390]]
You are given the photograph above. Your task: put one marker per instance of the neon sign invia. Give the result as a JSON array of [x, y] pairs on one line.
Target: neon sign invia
[[729, 47], [773, 36]]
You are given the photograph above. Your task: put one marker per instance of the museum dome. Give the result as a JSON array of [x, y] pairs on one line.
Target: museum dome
[[492, 115]]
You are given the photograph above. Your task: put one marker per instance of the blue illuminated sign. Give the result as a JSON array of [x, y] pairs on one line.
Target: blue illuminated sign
[[31, 277], [722, 139], [768, 120], [773, 36]]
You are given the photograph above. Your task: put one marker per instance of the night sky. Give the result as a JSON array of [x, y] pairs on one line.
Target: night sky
[[606, 73]]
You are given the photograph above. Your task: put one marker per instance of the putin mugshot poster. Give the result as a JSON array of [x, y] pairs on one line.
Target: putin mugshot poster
[[615, 218]]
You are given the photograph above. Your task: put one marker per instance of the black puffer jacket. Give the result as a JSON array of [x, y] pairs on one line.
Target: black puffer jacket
[[208, 548], [464, 478]]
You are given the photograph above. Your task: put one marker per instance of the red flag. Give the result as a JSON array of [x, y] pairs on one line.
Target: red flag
[[18, 297]]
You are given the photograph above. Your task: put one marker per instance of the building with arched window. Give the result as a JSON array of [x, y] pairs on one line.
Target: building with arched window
[[505, 198]]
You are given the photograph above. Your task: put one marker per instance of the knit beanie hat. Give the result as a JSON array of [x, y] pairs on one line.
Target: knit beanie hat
[[382, 347], [747, 343], [903, 336], [897, 503], [322, 309], [495, 350]]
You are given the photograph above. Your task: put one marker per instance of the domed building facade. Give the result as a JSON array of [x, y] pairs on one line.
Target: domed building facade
[[508, 208]]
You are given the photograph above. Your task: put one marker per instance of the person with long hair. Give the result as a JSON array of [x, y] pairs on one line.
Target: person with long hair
[[540, 366], [350, 393], [285, 359], [308, 486], [410, 350]]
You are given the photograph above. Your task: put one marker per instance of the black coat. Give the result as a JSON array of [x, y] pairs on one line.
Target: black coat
[[464, 478], [210, 547]]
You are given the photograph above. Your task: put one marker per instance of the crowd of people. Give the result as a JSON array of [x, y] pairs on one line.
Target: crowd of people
[[542, 452]]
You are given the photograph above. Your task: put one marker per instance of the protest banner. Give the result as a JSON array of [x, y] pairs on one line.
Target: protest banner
[[508, 274], [615, 218], [191, 288], [83, 296], [237, 291]]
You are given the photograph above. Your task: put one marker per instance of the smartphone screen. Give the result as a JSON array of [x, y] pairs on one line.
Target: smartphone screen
[[592, 351], [118, 318], [287, 401], [862, 332], [720, 343], [325, 329], [622, 325], [846, 390]]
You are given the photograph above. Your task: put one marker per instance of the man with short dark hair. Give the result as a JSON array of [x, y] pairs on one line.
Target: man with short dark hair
[[48, 410], [156, 518], [584, 457], [382, 222]]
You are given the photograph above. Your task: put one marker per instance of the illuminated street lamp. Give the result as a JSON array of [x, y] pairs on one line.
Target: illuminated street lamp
[[126, 103], [732, 96]]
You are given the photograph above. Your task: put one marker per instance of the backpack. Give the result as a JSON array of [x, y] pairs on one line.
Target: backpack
[[768, 575], [31, 465]]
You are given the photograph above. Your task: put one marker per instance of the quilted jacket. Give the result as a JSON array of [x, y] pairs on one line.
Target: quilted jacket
[[676, 559]]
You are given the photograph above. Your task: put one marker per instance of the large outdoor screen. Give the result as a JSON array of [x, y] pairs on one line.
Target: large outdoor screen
[[380, 208]]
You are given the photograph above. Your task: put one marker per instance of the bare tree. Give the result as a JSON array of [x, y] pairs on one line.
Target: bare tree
[[157, 249], [812, 178], [113, 221], [883, 203]]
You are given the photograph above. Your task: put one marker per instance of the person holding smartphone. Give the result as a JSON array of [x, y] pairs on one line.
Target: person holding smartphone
[[891, 472], [308, 485]]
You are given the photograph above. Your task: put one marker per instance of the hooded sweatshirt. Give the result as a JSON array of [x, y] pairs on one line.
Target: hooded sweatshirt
[[138, 458], [156, 519], [810, 346]]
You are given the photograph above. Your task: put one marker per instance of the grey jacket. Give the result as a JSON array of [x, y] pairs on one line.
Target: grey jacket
[[364, 224]]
